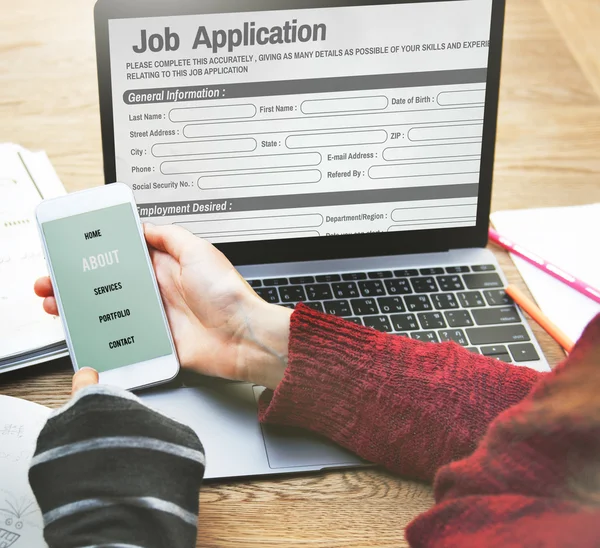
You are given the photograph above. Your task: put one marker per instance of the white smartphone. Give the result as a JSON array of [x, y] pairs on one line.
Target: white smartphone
[[105, 287]]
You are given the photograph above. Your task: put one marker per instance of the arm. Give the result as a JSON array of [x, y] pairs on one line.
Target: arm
[[108, 470], [534, 480], [407, 405]]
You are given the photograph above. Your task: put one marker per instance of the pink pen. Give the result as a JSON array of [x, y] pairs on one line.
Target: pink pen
[[549, 268]]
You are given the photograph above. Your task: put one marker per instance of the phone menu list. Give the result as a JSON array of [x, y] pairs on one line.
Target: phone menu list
[[112, 311]]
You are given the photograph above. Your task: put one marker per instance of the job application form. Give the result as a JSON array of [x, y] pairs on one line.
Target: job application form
[[303, 123]]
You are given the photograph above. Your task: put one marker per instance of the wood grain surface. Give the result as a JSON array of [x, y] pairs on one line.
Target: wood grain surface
[[548, 154]]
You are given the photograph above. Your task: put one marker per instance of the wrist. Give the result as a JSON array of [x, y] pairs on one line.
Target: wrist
[[264, 344]]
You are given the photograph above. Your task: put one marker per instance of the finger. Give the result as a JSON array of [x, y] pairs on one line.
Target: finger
[[84, 377], [50, 306], [169, 239], [43, 287]]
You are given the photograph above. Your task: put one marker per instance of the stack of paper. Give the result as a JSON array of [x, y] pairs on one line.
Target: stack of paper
[[27, 335]]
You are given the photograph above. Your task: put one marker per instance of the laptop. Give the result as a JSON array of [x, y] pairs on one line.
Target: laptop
[[340, 153]]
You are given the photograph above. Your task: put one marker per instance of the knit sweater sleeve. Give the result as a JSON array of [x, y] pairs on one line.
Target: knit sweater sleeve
[[109, 471], [534, 479], [409, 406]]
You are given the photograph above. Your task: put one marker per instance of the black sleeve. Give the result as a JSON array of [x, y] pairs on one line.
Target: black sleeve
[[108, 470]]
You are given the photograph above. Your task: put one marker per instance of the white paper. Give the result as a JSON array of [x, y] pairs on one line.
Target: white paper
[[21, 524], [25, 178], [567, 237]]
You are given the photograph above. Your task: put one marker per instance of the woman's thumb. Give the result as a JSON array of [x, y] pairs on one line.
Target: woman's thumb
[[84, 377]]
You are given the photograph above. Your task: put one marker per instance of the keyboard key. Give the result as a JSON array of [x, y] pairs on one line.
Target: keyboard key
[[457, 269], [302, 280], [431, 271], [425, 336], [371, 289], [380, 275], [292, 294], [289, 305], [424, 285], [357, 321], [268, 294], [471, 299], [484, 268], [473, 349], [364, 307], [316, 306], [326, 278], [354, 277], [275, 281], [502, 358], [405, 273], [444, 301], [450, 283], [398, 287], [491, 316], [497, 334], [390, 305], [418, 303], [338, 308], [524, 352], [254, 283], [381, 323], [345, 290], [497, 297], [456, 335], [459, 318], [482, 281], [432, 320], [497, 350], [319, 292], [404, 322]]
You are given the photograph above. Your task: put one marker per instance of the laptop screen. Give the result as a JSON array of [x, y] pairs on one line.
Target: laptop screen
[[303, 123]]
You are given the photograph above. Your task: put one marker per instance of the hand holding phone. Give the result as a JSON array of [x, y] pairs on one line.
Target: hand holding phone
[[105, 287], [220, 326]]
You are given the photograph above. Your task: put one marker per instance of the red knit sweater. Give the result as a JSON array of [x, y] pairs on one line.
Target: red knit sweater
[[515, 454]]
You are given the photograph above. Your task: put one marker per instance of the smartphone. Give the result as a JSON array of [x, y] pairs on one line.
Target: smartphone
[[105, 287]]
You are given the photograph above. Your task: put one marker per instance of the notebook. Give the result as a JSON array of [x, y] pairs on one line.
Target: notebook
[[21, 524], [567, 237]]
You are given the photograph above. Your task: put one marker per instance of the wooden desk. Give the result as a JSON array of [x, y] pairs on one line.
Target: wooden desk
[[548, 155]]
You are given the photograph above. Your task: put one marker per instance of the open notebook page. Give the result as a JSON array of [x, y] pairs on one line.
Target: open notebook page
[[21, 524]]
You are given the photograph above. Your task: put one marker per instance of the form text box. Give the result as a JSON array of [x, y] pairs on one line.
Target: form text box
[[210, 114], [459, 98], [430, 152], [444, 133], [270, 178], [198, 148], [347, 104], [344, 138], [241, 163], [393, 171], [254, 224], [437, 213]]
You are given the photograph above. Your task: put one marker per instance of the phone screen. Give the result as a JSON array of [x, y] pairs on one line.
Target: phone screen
[[110, 305]]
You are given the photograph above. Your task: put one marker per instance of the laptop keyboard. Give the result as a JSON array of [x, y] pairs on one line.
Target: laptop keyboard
[[464, 304]]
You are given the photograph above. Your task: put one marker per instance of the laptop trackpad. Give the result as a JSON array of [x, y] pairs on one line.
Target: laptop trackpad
[[296, 448], [224, 417]]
